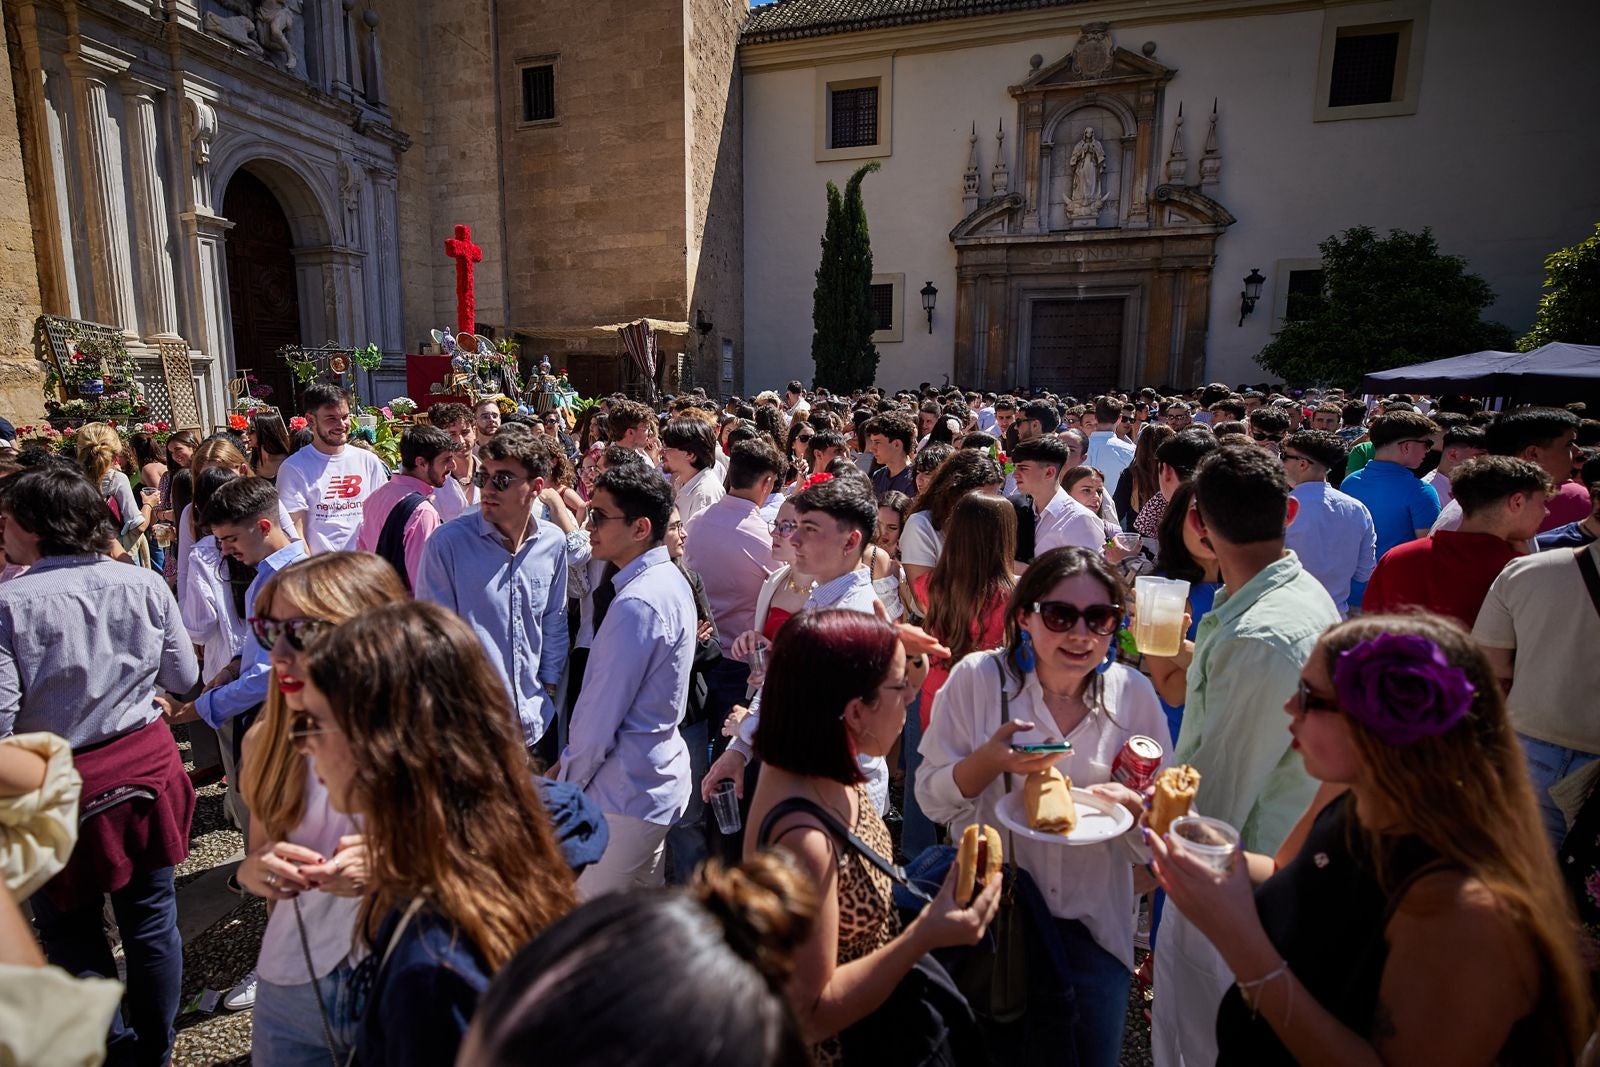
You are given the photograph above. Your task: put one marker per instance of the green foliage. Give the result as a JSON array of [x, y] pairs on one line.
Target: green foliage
[[1569, 310], [1387, 302], [841, 313]]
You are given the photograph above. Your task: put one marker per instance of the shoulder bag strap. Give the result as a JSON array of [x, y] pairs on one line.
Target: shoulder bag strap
[[843, 833], [392, 537], [1591, 575], [1005, 776], [388, 950]]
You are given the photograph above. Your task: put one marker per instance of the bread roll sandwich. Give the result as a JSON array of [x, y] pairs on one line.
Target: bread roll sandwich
[[977, 860], [1175, 788], [1047, 799]]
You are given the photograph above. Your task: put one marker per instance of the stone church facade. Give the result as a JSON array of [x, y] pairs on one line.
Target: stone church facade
[[226, 177]]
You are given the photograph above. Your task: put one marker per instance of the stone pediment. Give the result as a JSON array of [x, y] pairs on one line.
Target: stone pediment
[[1116, 66]]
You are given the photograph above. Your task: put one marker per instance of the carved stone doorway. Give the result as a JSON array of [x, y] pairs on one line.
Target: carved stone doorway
[[1075, 346], [262, 289]]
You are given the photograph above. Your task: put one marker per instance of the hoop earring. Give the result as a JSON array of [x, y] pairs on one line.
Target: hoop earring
[[1024, 656]]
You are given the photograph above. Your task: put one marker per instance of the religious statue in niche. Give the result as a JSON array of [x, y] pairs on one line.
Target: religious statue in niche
[[1087, 166]]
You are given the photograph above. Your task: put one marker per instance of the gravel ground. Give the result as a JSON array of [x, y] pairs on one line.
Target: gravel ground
[[225, 951]]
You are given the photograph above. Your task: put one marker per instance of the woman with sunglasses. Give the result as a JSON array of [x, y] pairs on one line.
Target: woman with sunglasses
[[1415, 914], [305, 857], [1061, 681]]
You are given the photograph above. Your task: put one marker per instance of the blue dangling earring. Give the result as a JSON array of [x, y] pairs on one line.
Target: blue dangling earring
[[1111, 657], [1024, 657]]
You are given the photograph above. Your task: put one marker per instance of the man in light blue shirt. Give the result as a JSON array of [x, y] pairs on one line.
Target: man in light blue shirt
[[1332, 533], [1111, 449], [243, 516], [505, 573], [624, 750]]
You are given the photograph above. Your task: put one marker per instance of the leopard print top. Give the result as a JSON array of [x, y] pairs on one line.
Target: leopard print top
[[867, 918]]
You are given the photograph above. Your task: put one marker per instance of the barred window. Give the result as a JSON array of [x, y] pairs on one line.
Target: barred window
[[883, 306], [853, 121], [539, 93], [1364, 66]]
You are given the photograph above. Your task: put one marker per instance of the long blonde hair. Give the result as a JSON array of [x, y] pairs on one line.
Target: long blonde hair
[[335, 587], [214, 452], [1466, 795], [98, 450]]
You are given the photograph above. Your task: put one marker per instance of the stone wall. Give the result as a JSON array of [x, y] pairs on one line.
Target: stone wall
[[21, 375], [440, 60], [595, 200], [714, 119]]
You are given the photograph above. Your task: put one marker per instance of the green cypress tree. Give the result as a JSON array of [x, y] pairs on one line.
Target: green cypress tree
[[841, 311], [1569, 310]]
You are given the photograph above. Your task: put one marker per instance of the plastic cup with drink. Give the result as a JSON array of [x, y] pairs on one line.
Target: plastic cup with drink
[[1159, 604], [1211, 841]]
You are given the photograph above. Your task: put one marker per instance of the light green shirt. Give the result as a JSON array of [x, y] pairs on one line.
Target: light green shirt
[[1248, 652]]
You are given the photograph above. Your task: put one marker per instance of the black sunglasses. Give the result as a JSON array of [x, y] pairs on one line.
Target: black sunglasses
[[1262, 436], [501, 480], [1058, 616], [298, 632], [1309, 701]]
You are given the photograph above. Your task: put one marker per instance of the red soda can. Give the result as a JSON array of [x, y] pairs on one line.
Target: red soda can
[[1136, 765]]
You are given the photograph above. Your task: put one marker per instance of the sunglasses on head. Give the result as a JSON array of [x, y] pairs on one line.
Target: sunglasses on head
[[1260, 435], [298, 632], [501, 480], [1059, 617], [304, 726]]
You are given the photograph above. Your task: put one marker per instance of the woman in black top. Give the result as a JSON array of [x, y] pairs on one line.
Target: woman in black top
[[1415, 915]]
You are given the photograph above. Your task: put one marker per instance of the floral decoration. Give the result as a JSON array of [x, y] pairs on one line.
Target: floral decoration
[[816, 479], [238, 422], [1402, 688], [297, 423]]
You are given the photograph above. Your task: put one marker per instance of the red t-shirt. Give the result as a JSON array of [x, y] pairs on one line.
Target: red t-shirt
[[990, 631], [1449, 572]]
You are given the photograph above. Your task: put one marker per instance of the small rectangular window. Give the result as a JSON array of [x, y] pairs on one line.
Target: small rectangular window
[[883, 306], [539, 93], [853, 117], [1364, 65], [727, 359], [1305, 295]]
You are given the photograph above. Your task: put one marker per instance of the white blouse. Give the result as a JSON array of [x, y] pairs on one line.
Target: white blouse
[[1090, 883], [920, 543]]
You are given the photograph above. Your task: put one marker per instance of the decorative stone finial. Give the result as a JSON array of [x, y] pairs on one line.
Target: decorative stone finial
[[1211, 161], [1000, 178], [969, 180], [1177, 158]]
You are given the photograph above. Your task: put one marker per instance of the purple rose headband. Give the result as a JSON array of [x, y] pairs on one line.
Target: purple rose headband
[[1402, 688]]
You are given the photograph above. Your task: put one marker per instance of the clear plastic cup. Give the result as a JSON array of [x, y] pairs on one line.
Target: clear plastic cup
[[1158, 622], [725, 806], [1128, 541], [1211, 841]]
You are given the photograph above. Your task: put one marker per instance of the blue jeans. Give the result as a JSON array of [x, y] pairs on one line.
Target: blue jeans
[[1547, 765], [286, 1025], [917, 831], [147, 918], [1100, 983]]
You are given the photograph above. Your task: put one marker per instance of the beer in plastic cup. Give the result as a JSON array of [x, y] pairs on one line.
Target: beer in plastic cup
[[1158, 626]]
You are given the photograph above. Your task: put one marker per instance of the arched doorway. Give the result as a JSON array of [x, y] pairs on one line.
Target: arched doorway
[[262, 289]]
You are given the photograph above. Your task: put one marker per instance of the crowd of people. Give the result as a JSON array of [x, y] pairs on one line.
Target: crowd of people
[[643, 737]]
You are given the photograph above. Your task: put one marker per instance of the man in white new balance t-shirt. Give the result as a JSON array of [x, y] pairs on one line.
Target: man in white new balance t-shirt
[[324, 486]]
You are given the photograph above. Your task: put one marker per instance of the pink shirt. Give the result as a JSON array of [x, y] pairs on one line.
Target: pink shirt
[[375, 512], [730, 546]]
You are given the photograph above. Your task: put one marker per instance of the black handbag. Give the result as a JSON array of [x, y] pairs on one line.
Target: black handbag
[[926, 1022]]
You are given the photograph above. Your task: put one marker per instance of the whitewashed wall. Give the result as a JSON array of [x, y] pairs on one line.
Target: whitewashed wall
[[1502, 159]]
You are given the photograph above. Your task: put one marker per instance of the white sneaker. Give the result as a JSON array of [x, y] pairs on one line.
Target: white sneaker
[[243, 995]]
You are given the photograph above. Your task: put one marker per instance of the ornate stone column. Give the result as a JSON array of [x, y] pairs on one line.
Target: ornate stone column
[[154, 241], [387, 249], [93, 68]]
